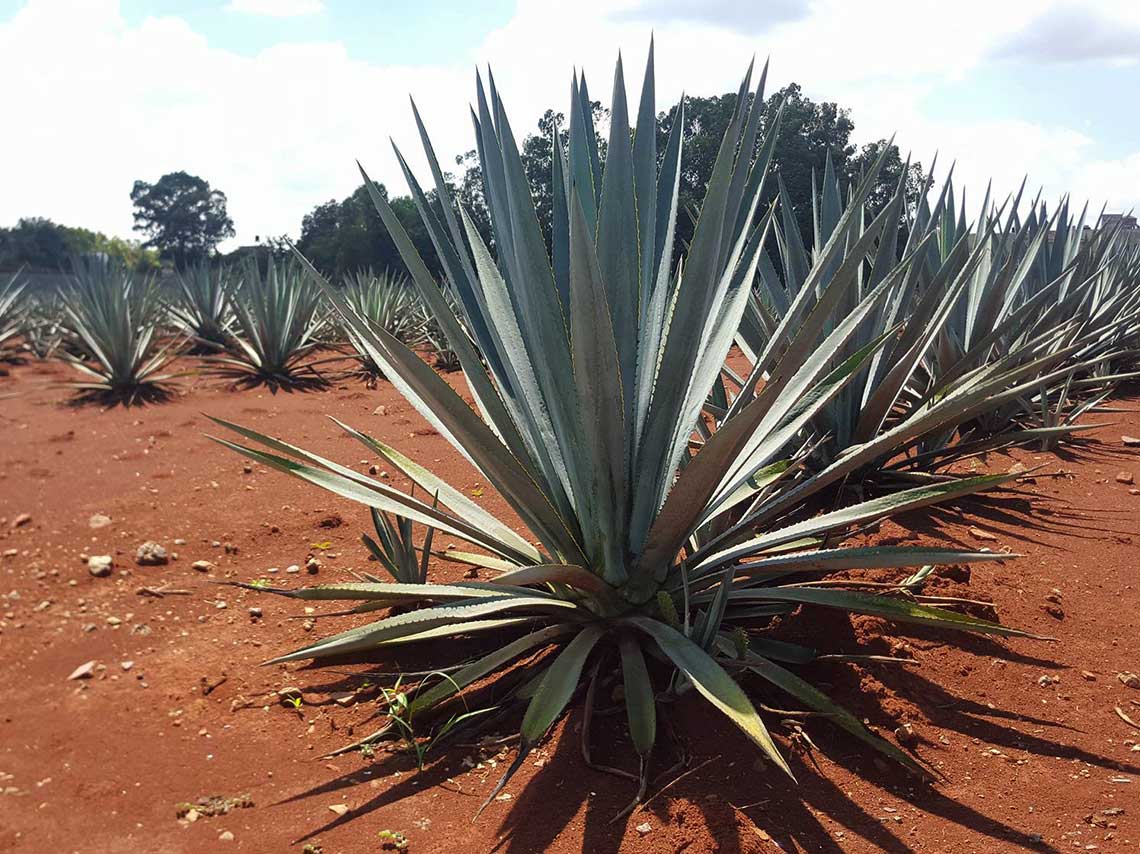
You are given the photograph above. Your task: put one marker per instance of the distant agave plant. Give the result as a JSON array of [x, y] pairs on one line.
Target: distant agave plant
[[201, 309], [987, 341], [278, 317], [111, 316], [662, 533], [388, 301], [432, 336], [11, 313]]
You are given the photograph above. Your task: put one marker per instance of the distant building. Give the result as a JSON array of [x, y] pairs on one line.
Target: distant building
[[1127, 222], [1129, 234]]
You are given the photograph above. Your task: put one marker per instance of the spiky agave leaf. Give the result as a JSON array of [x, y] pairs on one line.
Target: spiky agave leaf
[[591, 368], [111, 316], [278, 316]]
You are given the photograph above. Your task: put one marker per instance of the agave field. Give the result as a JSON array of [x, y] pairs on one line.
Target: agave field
[[705, 501]]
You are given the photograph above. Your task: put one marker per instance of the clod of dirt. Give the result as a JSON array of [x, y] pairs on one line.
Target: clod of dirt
[[100, 565], [906, 735], [98, 520], [1124, 477], [331, 521], [1054, 611], [83, 671], [21, 520], [212, 805], [1129, 679], [151, 554], [955, 572]]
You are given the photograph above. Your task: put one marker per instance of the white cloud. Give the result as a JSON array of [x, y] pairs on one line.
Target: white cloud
[[276, 8], [279, 132]]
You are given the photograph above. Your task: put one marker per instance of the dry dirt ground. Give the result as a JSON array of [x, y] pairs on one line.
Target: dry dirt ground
[[178, 708]]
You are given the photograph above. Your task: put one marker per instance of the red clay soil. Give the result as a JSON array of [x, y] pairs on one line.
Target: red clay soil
[[178, 707]]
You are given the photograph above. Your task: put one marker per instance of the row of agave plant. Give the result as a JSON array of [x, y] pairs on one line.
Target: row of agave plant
[[253, 324], [671, 507]]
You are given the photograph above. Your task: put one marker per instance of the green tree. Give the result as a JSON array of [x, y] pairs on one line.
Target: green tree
[[809, 132], [339, 237], [42, 245], [182, 217]]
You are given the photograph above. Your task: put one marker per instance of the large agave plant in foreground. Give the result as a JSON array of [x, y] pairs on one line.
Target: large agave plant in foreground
[[111, 316], [661, 532]]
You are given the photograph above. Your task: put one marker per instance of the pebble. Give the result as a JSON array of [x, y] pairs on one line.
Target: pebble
[[98, 520], [83, 671], [21, 520], [225, 836], [312, 566], [1124, 477], [380, 410], [293, 569], [906, 735], [339, 809], [202, 565], [644, 828], [1132, 441], [100, 565], [255, 613], [151, 554], [1129, 679], [126, 665]]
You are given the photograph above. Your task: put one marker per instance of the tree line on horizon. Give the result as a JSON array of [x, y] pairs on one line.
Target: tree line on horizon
[[184, 219]]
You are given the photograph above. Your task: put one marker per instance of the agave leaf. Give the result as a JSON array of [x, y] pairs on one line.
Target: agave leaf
[[574, 576], [402, 625], [713, 683], [816, 700], [485, 666], [875, 508], [640, 702], [550, 699], [598, 374], [448, 495], [897, 609]]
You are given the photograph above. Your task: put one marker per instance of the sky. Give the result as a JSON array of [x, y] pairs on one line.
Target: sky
[[274, 101]]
